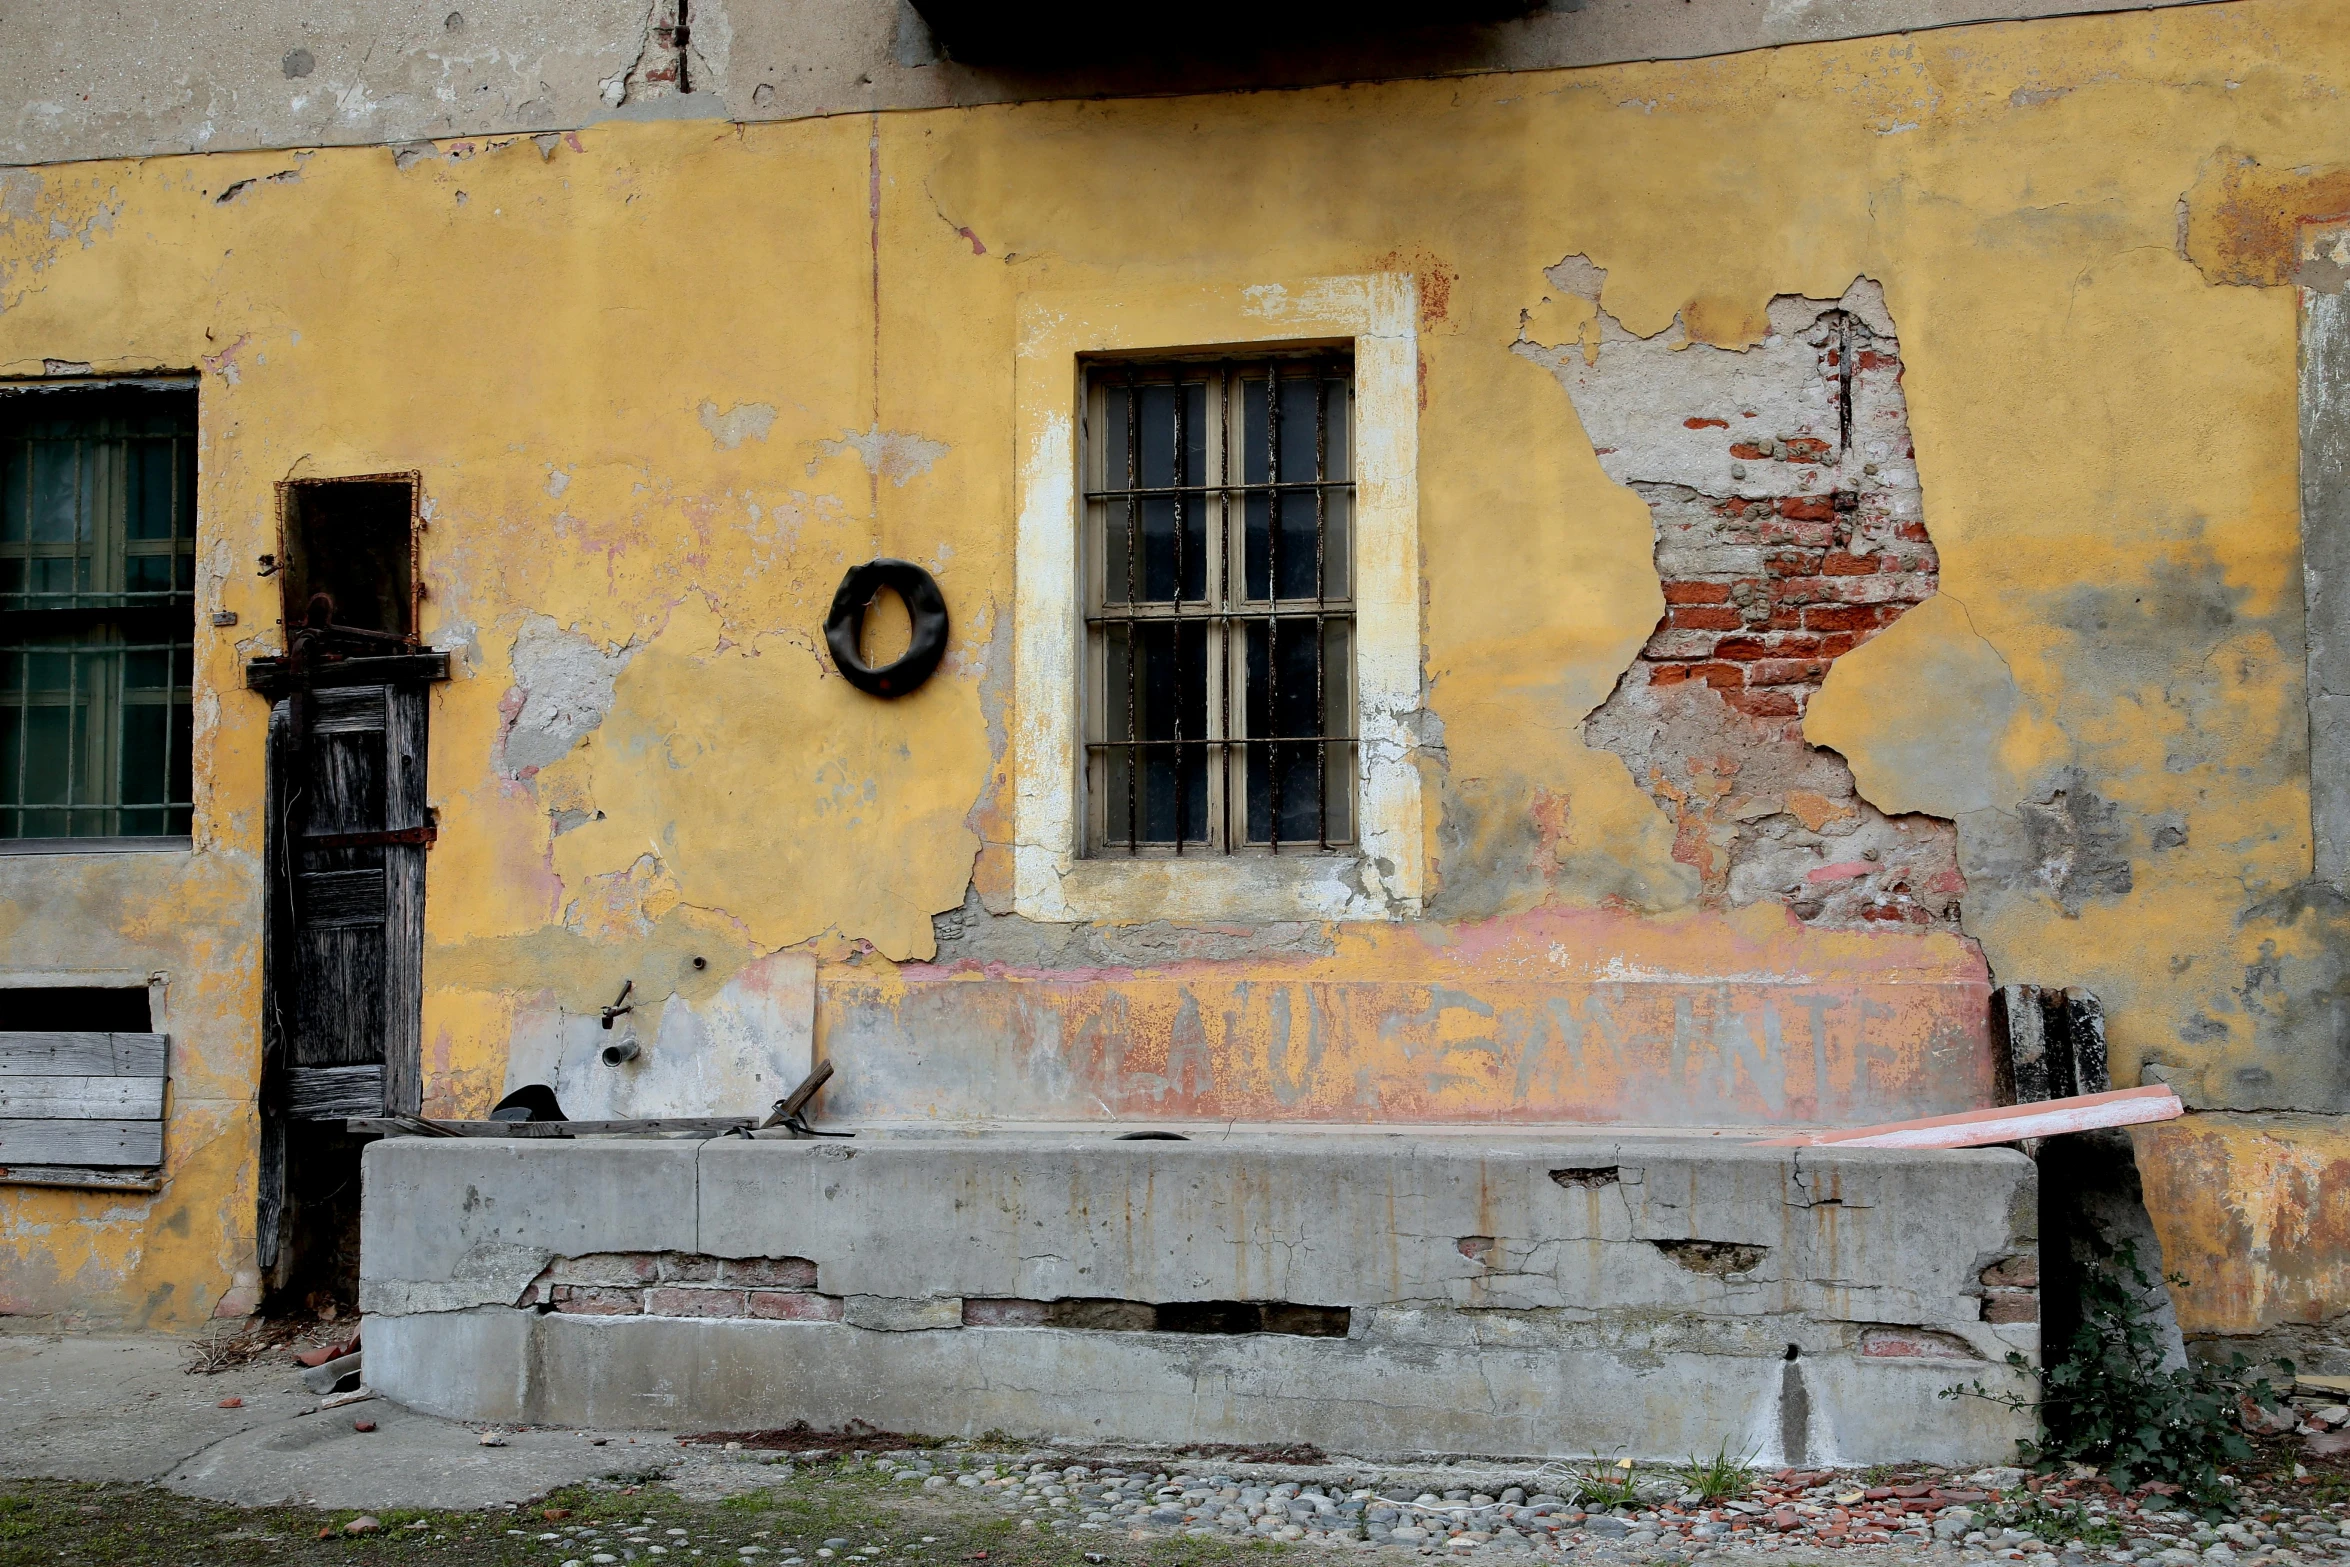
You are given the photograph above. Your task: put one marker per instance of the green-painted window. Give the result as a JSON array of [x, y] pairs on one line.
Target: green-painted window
[[97, 611]]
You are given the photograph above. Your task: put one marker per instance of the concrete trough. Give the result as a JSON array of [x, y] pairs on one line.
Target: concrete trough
[[1505, 1294]]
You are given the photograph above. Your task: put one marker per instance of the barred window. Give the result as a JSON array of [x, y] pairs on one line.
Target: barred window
[[1220, 687], [97, 611]]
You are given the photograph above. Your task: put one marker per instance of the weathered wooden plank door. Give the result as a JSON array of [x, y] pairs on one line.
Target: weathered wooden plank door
[[346, 842]]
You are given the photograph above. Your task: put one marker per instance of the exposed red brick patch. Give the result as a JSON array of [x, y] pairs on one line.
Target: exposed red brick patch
[[682, 1302], [789, 1273], [1006, 1313], [597, 1300], [667, 1283], [2021, 1271], [1898, 1343], [1697, 593], [1813, 544]]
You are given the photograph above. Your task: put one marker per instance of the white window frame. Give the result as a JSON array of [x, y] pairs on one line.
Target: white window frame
[[1379, 876]]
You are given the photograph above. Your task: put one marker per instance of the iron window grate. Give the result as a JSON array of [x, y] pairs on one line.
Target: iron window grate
[[1218, 504], [97, 613]]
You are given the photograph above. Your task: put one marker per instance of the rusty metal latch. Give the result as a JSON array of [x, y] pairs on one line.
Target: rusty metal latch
[[790, 1111], [369, 840]]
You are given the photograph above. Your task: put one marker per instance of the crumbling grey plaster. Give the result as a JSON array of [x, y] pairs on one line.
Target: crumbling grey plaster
[[1721, 445], [895, 455], [973, 935], [740, 423], [2067, 844], [136, 78], [564, 681]]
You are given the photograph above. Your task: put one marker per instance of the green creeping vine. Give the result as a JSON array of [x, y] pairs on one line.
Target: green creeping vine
[[2106, 1398]]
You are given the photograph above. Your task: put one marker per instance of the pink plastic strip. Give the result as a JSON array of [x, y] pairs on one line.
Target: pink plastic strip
[[2003, 1124]]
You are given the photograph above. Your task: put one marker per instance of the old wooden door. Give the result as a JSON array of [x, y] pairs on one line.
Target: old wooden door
[[346, 841]]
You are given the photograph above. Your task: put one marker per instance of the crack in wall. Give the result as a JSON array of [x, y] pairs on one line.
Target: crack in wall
[[1789, 531]]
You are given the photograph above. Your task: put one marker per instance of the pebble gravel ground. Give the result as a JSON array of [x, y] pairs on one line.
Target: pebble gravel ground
[[782, 1500], [1560, 1511]]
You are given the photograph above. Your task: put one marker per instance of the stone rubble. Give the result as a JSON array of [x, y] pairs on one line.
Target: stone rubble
[[1557, 1511]]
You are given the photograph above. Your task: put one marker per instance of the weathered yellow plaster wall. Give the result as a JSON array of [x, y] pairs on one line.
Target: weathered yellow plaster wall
[[2253, 1212], [665, 381]]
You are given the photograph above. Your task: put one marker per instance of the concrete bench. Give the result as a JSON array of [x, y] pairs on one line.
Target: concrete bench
[[1514, 1293]]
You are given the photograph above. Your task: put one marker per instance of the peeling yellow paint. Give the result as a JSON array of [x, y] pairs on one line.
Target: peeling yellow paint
[[578, 349], [2253, 1212]]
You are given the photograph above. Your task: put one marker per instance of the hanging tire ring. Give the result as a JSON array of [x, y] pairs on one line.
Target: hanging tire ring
[[844, 628]]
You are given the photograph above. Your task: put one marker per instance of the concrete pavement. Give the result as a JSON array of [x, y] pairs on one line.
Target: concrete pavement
[[126, 1409]]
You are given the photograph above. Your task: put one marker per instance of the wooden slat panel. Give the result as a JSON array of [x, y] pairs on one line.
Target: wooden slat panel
[[25, 1054], [346, 790], [132, 1179], [330, 1093], [355, 710], [81, 1098], [269, 674], [81, 1142], [709, 1125], [405, 754], [141, 1055], [339, 996], [57, 1055], [328, 898]]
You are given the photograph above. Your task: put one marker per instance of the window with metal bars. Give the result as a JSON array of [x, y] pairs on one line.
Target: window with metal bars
[[97, 611], [1220, 687]]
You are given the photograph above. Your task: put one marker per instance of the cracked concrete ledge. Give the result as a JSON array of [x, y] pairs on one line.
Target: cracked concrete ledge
[[142, 86], [1680, 1289]]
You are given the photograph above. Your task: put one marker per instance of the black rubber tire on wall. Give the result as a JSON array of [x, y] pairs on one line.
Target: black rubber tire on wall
[[844, 627]]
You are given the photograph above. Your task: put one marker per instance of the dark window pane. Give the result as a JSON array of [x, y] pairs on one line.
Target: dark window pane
[[1298, 549], [1256, 513], [1339, 461], [1300, 394], [146, 728], [33, 752], [1286, 710], [15, 467], [1116, 409], [1256, 455], [1158, 690], [1159, 443], [147, 574], [1174, 547], [152, 669], [1281, 542], [1121, 524], [57, 516], [59, 577], [1158, 434], [153, 476]]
